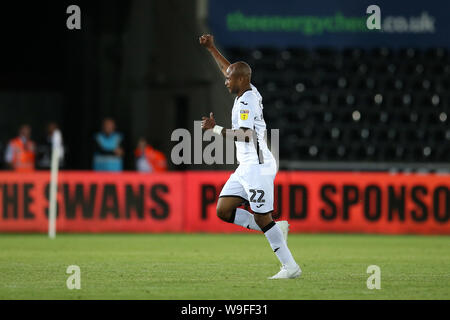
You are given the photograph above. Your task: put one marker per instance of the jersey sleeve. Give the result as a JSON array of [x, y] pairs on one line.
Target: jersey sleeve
[[247, 111]]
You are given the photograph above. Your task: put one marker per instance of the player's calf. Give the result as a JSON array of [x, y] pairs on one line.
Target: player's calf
[[263, 220]]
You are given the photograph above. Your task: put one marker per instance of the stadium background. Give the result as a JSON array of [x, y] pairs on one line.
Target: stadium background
[[344, 98], [364, 138]]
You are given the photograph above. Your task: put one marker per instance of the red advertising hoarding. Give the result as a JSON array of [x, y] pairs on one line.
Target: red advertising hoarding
[[93, 202], [186, 202]]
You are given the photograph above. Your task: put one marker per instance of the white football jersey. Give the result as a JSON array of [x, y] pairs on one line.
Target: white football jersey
[[248, 113]]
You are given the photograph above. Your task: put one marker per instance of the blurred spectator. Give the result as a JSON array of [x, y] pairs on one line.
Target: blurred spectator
[[108, 151], [149, 159], [1, 152], [20, 153], [53, 139]]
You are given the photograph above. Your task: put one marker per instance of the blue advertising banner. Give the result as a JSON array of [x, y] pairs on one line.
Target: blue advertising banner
[[294, 23]]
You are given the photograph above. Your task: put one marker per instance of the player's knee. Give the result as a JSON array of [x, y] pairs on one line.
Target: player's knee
[[223, 213]]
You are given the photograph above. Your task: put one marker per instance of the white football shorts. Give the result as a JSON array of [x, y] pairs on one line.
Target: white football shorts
[[253, 183]]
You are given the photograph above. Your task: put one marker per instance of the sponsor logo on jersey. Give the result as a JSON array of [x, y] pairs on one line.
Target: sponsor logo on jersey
[[244, 114]]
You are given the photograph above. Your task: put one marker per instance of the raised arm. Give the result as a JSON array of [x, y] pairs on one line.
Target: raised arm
[[207, 41]]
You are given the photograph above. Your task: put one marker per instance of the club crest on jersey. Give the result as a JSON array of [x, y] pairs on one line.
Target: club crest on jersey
[[244, 114]]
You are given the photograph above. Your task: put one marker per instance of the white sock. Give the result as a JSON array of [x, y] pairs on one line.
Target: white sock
[[245, 219], [278, 245]]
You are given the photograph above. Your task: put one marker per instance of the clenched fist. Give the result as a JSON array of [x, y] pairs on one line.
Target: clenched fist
[[208, 123], [207, 41]]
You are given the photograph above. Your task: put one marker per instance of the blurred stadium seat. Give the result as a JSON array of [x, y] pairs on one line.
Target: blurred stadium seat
[[355, 104]]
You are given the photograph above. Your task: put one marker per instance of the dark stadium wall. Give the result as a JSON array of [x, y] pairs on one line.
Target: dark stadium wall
[[168, 80], [136, 61], [31, 75]]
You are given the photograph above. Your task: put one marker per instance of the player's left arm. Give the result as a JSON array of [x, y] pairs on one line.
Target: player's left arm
[[207, 41]]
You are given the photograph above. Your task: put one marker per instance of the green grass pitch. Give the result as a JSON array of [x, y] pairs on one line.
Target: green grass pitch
[[222, 266]]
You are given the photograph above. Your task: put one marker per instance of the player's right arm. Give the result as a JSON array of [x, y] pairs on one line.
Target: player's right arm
[[243, 134], [207, 41]]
